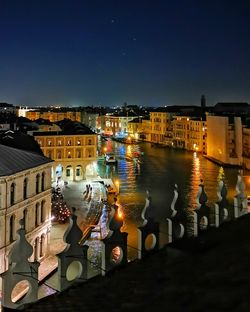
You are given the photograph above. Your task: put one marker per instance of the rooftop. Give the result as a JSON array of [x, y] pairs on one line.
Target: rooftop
[[20, 140], [14, 160]]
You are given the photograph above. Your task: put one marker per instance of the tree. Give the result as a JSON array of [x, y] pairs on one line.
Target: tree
[[59, 209]]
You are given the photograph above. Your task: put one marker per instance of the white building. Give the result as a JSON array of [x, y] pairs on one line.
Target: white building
[[25, 192]]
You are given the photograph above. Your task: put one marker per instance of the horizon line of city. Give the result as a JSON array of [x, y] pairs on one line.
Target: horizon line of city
[[123, 105]]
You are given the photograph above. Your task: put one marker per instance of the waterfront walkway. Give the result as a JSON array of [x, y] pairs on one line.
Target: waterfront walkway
[[88, 211], [207, 273]]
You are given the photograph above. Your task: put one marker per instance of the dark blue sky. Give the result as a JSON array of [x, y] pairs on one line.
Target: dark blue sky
[[106, 52]]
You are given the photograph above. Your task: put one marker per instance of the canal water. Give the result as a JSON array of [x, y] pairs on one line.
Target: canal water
[[159, 169]]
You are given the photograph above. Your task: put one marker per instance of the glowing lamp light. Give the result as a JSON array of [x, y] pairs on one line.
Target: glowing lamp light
[[117, 183], [119, 213]]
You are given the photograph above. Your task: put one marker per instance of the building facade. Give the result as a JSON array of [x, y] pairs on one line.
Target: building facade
[[25, 193], [224, 139], [198, 135], [246, 147], [181, 133], [74, 153], [114, 125], [54, 116], [160, 121], [89, 119]]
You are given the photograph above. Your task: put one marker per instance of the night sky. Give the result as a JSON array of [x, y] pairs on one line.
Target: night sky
[[107, 52]]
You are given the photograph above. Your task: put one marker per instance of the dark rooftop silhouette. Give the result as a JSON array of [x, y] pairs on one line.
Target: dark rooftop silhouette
[[207, 273], [14, 160], [20, 140]]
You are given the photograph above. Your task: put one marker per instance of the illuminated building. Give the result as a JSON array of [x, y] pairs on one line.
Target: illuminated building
[[135, 128], [116, 124], [181, 134], [224, 139], [25, 193], [246, 147], [54, 116], [197, 135], [73, 152], [160, 122], [89, 119], [146, 130]]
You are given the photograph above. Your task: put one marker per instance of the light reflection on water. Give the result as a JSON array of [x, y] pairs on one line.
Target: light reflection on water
[[159, 170]]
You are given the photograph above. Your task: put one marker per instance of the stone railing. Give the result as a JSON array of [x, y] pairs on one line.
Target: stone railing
[[74, 264]]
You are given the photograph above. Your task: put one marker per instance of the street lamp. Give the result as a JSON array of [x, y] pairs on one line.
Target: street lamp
[[105, 149], [117, 184]]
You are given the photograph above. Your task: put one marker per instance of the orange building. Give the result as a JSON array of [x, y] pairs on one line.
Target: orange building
[[74, 153], [54, 116]]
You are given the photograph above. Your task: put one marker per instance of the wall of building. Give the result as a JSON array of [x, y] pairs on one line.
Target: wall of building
[[224, 139], [217, 138], [54, 116], [158, 127], [35, 208], [73, 154]]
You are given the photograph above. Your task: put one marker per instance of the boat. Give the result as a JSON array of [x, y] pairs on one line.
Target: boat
[[110, 159]]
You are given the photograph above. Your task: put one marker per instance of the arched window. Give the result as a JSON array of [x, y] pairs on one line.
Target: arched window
[[42, 242], [42, 211], [89, 153], [12, 194], [25, 218], [37, 183], [68, 171], [43, 182], [89, 141], [78, 172], [36, 246], [12, 228], [37, 214], [25, 188]]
